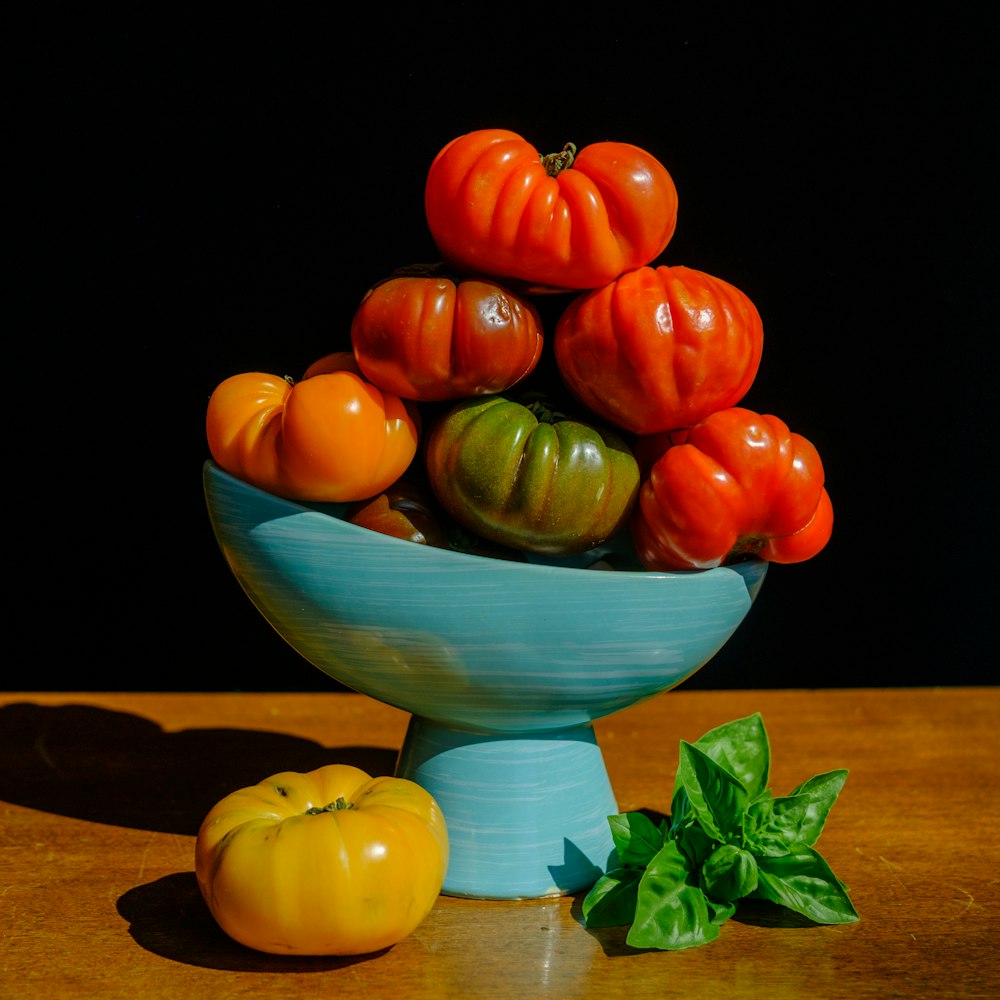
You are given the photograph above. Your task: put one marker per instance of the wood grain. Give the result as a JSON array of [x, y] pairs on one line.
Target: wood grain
[[101, 796]]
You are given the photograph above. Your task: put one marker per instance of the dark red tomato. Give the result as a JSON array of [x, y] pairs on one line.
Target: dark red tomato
[[404, 511], [432, 338], [410, 511]]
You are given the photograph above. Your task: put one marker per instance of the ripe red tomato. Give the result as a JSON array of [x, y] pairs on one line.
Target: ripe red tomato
[[570, 220], [659, 348], [737, 483], [428, 337]]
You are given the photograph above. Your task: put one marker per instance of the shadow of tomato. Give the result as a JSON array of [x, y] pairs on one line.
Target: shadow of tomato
[[169, 918]]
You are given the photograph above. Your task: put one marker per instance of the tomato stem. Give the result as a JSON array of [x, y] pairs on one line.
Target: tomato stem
[[556, 163], [543, 412], [341, 803], [747, 545]]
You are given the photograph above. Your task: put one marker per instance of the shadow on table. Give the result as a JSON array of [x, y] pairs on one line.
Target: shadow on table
[[169, 918], [112, 767]]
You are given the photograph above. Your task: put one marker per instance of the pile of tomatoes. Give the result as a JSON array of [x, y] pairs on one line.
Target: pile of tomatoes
[[462, 418]]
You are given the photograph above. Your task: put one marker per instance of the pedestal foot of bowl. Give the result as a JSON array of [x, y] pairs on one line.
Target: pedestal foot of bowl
[[527, 813]]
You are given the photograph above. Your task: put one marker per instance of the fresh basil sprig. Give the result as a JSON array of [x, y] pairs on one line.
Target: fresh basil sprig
[[727, 838]]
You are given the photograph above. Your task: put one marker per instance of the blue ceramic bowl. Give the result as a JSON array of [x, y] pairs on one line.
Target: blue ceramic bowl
[[503, 666]]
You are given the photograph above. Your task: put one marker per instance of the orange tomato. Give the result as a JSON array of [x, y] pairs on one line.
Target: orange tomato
[[333, 437]]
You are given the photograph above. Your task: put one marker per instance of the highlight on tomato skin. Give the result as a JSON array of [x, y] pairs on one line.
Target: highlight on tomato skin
[[737, 484]]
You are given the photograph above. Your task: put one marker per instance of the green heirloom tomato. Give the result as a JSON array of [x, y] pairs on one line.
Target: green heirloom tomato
[[523, 475]]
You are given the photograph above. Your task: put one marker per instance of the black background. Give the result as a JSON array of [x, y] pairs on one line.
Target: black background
[[208, 197]]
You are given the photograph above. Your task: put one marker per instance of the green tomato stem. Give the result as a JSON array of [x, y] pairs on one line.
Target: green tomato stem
[[556, 163], [544, 413], [341, 803]]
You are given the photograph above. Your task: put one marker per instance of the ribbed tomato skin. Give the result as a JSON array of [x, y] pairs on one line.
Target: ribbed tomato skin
[[493, 208], [737, 483], [659, 348]]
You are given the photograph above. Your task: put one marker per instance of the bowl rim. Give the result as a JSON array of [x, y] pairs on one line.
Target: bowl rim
[[332, 512]]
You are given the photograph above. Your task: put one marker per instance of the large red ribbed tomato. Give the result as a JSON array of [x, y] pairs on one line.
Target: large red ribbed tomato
[[428, 337], [737, 483], [659, 348], [569, 220]]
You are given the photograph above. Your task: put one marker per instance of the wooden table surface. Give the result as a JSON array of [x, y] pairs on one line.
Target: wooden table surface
[[102, 794]]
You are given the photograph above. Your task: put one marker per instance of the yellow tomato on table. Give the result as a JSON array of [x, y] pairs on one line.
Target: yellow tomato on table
[[327, 862]]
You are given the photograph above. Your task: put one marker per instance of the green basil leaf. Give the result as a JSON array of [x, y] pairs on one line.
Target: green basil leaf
[[742, 748], [729, 874], [671, 913], [680, 806], [637, 838], [720, 912], [819, 793], [802, 881], [718, 798], [727, 838], [612, 900], [797, 819], [756, 820], [695, 844]]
